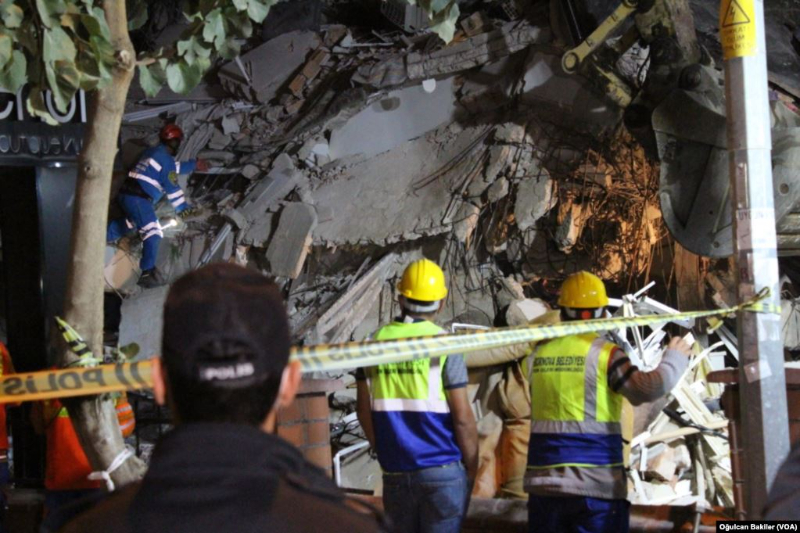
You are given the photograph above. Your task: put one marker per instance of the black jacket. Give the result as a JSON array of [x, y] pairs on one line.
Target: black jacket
[[224, 477]]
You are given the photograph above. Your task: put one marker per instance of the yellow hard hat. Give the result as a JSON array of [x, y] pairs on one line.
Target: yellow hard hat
[[583, 290], [423, 280]]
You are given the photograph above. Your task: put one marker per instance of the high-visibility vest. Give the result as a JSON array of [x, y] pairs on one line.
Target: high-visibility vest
[[67, 465], [575, 416], [125, 416], [411, 416]]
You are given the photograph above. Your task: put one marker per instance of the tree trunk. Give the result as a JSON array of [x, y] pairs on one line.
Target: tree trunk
[[95, 418]]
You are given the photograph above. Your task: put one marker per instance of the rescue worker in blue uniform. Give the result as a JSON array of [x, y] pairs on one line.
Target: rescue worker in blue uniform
[[418, 419], [155, 175], [576, 473]]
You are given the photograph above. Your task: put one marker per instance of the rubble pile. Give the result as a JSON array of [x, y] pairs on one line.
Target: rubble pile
[[340, 152], [683, 457], [338, 145]]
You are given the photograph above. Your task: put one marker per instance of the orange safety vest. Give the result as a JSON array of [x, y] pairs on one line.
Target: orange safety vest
[[125, 416], [67, 465]]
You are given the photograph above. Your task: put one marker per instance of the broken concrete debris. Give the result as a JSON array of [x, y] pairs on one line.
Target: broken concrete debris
[[259, 74], [345, 152], [410, 187], [339, 321], [475, 51], [288, 249], [535, 197], [395, 118]]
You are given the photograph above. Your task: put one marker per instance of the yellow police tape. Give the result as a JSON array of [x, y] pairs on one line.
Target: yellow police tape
[[132, 376]]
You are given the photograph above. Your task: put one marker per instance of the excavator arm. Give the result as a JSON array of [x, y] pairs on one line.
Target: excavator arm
[[678, 114]]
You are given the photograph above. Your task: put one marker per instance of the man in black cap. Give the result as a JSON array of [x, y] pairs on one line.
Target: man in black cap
[[225, 372]]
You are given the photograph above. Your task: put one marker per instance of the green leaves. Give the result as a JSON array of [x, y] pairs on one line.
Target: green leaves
[[182, 77], [443, 15], [258, 10], [37, 107], [152, 78], [14, 74], [60, 45], [58, 54], [192, 48], [214, 28], [50, 12], [137, 14], [11, 13], [95, 23], [6, 45], [57, 45]]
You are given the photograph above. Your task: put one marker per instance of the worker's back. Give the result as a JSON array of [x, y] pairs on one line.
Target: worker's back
[[413, 426]]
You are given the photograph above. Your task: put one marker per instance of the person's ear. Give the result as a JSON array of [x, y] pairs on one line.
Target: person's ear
[[290, 383], [159, 380]]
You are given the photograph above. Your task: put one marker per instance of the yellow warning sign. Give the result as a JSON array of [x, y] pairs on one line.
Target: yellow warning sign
[[737, 28]]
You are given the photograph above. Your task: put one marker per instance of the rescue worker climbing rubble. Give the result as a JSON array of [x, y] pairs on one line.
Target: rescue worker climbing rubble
[[418, 419], [575, 475], [155, 175]]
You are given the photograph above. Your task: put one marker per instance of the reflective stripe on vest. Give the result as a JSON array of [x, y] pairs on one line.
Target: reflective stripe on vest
[[575, 416], [410, 414], [413, 386], [125, 417]]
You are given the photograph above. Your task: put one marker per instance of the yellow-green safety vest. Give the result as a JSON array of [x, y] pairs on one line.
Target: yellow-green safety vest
[[410, 413], [575, 415]]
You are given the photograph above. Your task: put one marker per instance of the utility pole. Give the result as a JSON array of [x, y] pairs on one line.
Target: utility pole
[[762, 382]]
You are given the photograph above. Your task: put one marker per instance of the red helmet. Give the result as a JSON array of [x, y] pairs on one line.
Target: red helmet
[[169, 132]]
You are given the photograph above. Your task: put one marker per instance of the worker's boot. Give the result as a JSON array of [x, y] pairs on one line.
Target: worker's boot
[[150, 279]]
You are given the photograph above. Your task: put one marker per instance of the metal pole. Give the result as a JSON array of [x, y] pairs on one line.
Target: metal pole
[[764, 424]]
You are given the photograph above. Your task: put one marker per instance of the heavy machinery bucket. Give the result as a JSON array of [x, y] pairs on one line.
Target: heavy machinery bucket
[[694, 191]]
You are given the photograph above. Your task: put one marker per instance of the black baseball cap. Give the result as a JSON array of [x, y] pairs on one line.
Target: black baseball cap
[[225, 326]]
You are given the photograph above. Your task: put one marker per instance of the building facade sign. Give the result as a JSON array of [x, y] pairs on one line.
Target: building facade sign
[[23, 136]]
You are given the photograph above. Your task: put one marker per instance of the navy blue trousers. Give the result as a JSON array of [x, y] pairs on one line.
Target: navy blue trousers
[[579, 514], [139, 212]]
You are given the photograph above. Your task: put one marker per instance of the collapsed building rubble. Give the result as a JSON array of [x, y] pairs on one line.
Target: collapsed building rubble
[[342, 152]]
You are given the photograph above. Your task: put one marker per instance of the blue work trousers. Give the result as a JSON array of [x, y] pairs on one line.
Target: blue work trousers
[[141, 214], [432, 500], [577, 514]]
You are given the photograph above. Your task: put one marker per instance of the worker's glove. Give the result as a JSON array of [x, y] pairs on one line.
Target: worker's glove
[[202, 165], [189, 213]]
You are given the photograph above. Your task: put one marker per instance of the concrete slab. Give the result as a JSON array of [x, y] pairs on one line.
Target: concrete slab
[[258, 232], [265, 69], [398, 117], [288, 248], [535, 197], [390, 197], [142, 320], [498, 190]]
